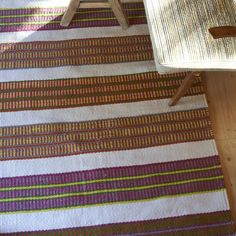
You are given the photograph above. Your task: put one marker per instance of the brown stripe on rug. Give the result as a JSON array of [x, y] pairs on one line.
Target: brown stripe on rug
[[105, 135], [75, 52], [53, 94]]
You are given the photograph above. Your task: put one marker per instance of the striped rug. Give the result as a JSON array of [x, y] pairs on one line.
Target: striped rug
[[88, 143]]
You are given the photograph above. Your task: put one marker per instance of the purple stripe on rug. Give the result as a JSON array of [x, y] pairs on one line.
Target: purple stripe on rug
[[37, 19], [114, 172], [83, 186], [110, 197]]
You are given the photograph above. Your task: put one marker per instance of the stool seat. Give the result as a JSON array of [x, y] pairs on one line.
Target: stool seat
[[115, 5], [180, 34]]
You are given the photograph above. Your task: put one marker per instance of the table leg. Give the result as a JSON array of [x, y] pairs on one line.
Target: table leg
[[188, 81], [70, 12], [119, 13]]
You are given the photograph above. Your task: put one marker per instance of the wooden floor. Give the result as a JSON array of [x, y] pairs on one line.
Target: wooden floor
[[221, 96]]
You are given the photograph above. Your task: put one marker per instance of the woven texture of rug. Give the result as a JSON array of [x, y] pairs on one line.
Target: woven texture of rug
[[88, 143]]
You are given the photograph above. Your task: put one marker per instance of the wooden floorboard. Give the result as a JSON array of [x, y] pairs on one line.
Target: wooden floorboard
[[221, 97]]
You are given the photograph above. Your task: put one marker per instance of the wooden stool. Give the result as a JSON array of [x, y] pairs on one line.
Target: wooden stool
[[115, 5]]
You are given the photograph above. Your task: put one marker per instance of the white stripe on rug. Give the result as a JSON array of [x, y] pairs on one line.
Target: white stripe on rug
[[166, 153], [97, 215], [32, 3], [100, 112], [67, 34], [40, 3], [77, 71]]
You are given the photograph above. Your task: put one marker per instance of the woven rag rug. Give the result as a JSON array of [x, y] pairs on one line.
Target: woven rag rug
[[88, 144]]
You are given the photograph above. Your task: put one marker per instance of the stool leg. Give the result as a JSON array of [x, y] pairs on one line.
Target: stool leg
[[119, 13], [70, 12], [183, 88]]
